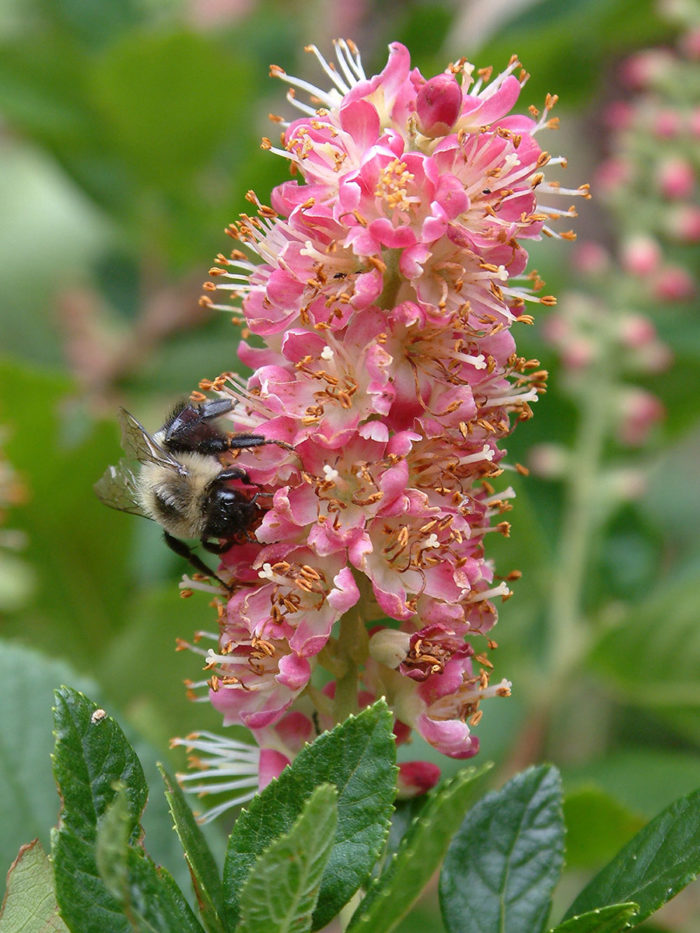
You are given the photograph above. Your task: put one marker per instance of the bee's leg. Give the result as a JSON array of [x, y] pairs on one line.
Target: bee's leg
[[184, 550], [216, 547], [241, 441], [235, 472]]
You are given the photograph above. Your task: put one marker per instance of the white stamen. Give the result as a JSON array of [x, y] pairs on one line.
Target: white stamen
[[333, 75], [500, 590], [187, 583], [226, 758]]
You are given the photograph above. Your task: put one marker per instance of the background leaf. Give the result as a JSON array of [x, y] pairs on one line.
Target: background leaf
[[72, 614], [504, 860], [642, 659], [28, 799], [282, 889], [596, 825], [30, 901], [654, 866], [357, 757], [29, 802], [135, 85]]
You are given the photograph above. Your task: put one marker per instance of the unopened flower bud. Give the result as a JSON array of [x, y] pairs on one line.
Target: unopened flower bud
[[684, 223], [690, 44], [666, 124], [646, 68], [676, 178], [625, 485], [636, 331], [579, 353], [416, 778], [389, 646], [612, 173], [591, 259], [674, 284], [694, 122], [639, 411], [618, 115], [438, 104], [550, 461], [641, 255]]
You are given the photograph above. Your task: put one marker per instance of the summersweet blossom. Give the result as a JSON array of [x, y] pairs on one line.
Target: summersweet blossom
[[383, 286]]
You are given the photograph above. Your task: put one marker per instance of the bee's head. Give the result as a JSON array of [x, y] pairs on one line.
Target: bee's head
[[228, 512]]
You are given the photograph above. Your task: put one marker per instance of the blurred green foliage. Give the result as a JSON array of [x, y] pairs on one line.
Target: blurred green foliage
[[129, 136]]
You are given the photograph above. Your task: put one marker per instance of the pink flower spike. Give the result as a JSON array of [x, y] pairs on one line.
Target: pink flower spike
[[385, 288]]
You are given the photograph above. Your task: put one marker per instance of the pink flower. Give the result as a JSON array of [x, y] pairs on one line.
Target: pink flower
[[434, 688], [684, 223], [385, 282], [676, 178], [638, 412], [674, 283], [641, 255]]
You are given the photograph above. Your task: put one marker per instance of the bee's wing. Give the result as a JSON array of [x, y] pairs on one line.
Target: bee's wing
[[117, 489], [138, 443]]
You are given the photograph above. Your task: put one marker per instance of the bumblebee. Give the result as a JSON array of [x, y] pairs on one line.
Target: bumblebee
[[181, 483]]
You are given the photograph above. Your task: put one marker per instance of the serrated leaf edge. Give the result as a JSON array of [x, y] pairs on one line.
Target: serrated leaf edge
[[598, 910], [451, 787], [382, 710], [278, 839]]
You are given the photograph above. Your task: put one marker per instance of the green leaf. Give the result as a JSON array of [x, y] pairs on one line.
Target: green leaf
[[611, 919], [644, 662], [205, 874], [150, 898], [505, 858], [282, 889], [358, 758], [654, 866], [104, 879], [75, 544], [28, 799], [91, 756], [596, 826], [29, 802], [644, 780], [393, 893], [30, 900], [113, 831]]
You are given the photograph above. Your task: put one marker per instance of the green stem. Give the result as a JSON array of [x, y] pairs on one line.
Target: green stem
[[392, 279], [582, 514], [353, 649]]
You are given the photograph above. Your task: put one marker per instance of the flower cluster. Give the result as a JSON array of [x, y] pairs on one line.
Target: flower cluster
[[650, 183], [383, 285], [651, 177]]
